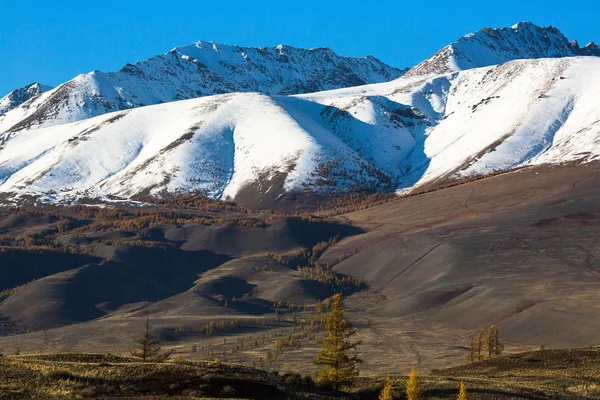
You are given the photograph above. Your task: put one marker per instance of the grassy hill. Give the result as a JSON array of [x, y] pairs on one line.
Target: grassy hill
[[548, 374]]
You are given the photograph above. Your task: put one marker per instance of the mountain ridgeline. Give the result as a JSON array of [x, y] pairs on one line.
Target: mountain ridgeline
[[21, 95], [493, 100], [491, 46], [200, 69]]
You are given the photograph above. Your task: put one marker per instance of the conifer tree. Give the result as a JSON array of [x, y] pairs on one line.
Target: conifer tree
[[481, 344], [148, 348], [478, 346], [339, 367], [387, 391], [413, 387], [462, 392], [493, 344], [473, 356]]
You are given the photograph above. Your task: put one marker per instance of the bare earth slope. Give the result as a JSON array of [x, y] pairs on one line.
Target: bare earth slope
[[517, 250]]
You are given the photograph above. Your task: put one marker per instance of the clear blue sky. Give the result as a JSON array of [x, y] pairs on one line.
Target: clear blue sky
[[52, 41]]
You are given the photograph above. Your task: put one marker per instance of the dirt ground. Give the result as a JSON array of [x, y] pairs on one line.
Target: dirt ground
[[519, 250]]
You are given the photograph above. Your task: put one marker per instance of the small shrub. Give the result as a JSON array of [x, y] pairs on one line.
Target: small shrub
[[293, 379]]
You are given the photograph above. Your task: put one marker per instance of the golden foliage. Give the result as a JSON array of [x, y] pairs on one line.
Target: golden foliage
[[485, 346], [312, 255], [413, 387], [339, 367], [387, 392], [493, 345], [344, 283], [462, 392]]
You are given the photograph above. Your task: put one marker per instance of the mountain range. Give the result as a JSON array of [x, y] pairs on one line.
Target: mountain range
[[200, 69], [493, 100], [247, 281]]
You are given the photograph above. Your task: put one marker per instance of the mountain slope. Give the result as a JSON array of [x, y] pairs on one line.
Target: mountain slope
[[412, 131], [21, 95], [197, 70], [480, 120], [496, 46], [214, 144]]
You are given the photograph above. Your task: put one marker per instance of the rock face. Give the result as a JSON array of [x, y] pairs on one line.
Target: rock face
[[590, 49], [490, 46], [21, 95], [200, 69]]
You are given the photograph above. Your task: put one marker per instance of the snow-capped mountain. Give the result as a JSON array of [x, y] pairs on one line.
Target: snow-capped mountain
[[21, 95], [415, 130], [490, 46], [407, 132], [590, 49], [197, 70]]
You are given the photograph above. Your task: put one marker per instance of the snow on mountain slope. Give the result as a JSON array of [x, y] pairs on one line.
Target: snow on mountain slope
[[496, 46], [21, 95], [480, 120], [214, 144], [411, 131], [201, 69]]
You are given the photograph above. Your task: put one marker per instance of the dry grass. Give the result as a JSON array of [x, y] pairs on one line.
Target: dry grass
[[549, 374], [83, 376], [556, 374], [6, 293]]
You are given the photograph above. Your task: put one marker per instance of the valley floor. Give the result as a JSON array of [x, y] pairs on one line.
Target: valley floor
[[421, 275]]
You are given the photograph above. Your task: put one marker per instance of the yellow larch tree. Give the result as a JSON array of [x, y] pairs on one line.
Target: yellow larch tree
[[387, 392], [462, 392], [492, 342], [339, 368], [413, 387]]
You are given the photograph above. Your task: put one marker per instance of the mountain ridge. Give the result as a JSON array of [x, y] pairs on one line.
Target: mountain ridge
[[412, 131], [398, 135], [208, 69], [21, 95], [493, 46]]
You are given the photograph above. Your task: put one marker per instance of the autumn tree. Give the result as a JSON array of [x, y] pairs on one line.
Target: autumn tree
[[478, 346], [387, 391], [339, 367], [148, 348], [485, 345], [462, 392], [493, 345], [413, 387]]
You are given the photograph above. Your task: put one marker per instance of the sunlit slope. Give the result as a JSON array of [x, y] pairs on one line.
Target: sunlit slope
[[407, 132]]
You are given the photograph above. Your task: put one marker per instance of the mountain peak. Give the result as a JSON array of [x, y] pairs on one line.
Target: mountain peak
[[200, 69], [590, 49], [528, 25], [202, 49], [22, 95], [492, 46], [520, 25]]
